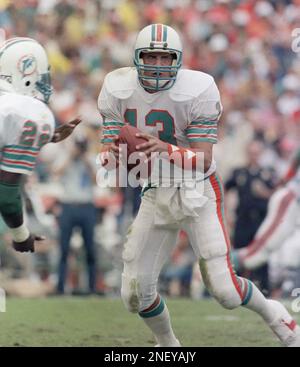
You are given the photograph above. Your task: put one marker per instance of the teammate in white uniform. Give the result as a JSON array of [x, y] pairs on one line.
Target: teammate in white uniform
[[26, 125], [177, 110], [279, 225]]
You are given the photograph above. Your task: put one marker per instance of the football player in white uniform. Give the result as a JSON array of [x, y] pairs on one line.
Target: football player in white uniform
[[280, 223], [26, 125], [177, 111]]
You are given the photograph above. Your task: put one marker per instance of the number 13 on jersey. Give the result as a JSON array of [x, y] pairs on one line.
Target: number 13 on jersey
[[153, 118]]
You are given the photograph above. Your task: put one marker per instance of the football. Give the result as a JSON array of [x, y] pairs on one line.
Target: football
[[128, 137]]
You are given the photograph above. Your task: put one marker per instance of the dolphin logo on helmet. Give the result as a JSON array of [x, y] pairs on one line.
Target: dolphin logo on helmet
[[27, 64], [24, 65]]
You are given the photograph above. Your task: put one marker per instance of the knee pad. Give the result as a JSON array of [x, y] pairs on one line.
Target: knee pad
[[220, 284], [227, 297], [136, 294], [130, 294]]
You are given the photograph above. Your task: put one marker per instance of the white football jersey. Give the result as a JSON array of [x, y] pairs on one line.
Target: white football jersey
[[26, 125], [188, 112], [294, 184]]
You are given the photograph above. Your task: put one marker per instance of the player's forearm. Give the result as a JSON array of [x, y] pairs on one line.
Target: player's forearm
[[189, 158]]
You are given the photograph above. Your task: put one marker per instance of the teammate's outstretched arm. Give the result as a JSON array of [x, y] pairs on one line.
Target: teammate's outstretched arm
[[11, 199], [64, 131]]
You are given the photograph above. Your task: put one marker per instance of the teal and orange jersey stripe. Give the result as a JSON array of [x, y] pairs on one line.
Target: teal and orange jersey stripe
[[159, 33], [202, 132], [110, 130], [19, 157]]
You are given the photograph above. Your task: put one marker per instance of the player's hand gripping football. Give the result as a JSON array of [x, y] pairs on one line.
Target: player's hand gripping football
[[152, 145], [111, 155], [27, 245], [65, 130], [115, 149]]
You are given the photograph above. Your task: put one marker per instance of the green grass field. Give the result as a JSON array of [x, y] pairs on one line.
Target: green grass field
[[104, 322]]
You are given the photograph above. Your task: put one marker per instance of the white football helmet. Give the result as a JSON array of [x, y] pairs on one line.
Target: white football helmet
[[160, 38], [24, 65]]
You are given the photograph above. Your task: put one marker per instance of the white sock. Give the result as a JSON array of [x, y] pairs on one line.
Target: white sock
[[160, 325], [275, 314], [260, 304]]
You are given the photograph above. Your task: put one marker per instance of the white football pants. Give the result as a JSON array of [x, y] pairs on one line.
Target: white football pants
[[148, 246]]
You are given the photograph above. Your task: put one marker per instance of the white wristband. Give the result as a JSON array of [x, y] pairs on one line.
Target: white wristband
[[20, 234]]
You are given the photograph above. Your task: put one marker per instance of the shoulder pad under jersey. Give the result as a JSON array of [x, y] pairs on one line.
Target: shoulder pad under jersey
[[26, 106], [122, 82], [190, 84]]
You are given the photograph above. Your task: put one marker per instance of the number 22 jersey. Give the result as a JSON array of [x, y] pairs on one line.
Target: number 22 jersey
[[26, 125]]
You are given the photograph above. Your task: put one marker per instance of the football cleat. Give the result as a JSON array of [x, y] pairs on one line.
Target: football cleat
[[173, 344], [285, 327]]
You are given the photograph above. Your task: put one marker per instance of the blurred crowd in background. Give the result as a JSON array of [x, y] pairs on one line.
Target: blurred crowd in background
[[245, 44]]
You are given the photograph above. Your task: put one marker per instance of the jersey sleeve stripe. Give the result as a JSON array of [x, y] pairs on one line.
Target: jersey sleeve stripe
[[17, 157], [203, 139], [111, 127], [106, 140], [110, 135], [23, 147], [201, 131], [111, 132], [15, 167], [202, 136], [113, 123], [16, 162], [20, 152], [203, 122]]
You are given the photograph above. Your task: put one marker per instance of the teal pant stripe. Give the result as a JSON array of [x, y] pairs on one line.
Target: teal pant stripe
[[155, 312], [249, 293]]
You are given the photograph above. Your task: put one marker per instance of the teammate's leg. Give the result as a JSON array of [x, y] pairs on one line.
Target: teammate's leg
[[276, 228], [210, 241], [146, 250], [289, 262]]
